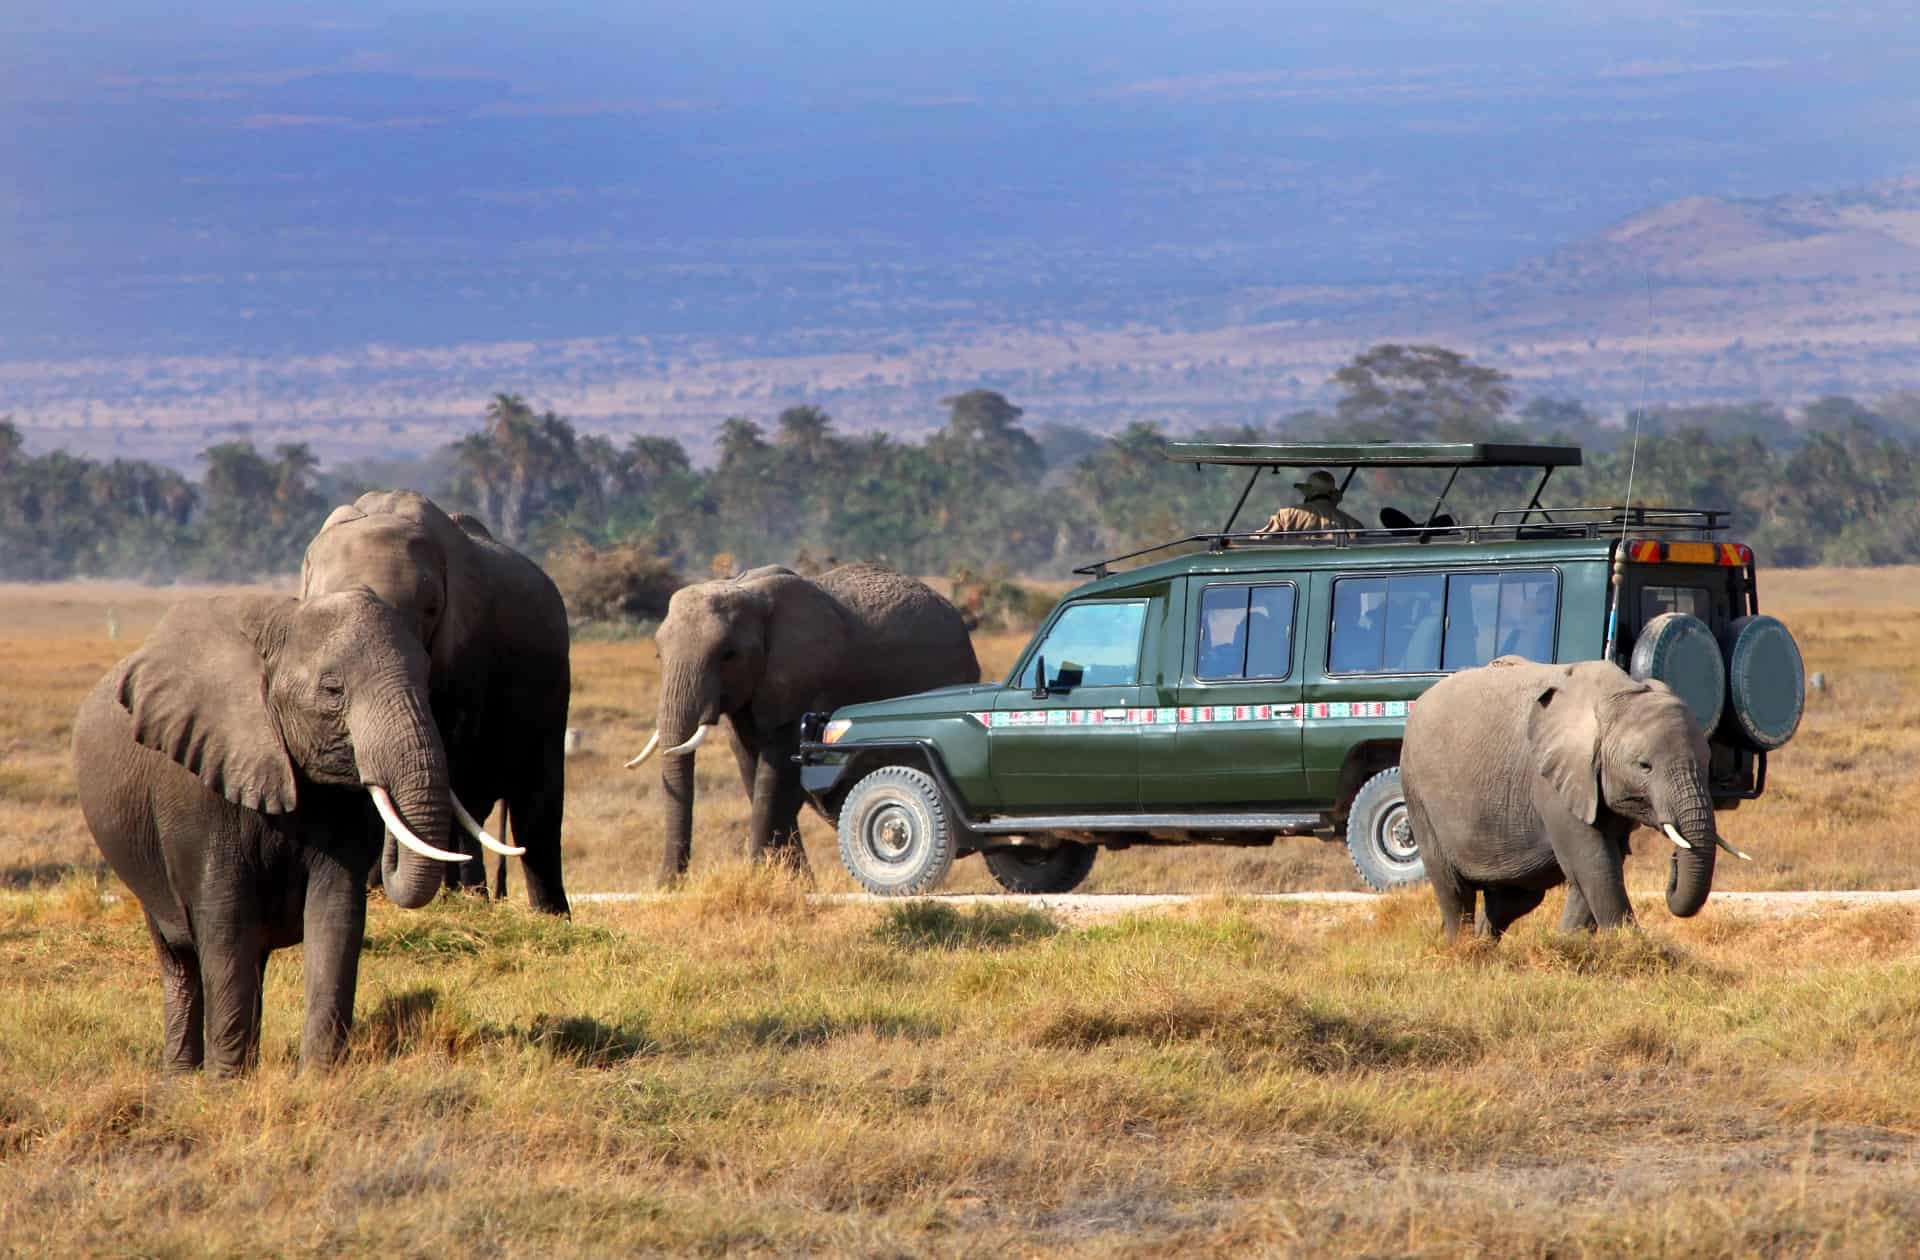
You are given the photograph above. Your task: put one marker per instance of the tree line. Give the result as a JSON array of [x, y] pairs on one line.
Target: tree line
[[984, 493]]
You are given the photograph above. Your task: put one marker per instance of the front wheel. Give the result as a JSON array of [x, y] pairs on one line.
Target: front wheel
[[1031, 869], [1380, 834], [895, 837]]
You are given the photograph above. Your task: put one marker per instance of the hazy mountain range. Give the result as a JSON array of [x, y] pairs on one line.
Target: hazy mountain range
[[352, 225]]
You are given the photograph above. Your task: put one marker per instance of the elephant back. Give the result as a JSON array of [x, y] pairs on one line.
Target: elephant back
[[900, 611]]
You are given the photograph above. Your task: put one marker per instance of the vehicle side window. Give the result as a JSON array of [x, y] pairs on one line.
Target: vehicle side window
[[1245, 632], [1387, 625], [1090, 645], [1693, 600], [1499, 614]]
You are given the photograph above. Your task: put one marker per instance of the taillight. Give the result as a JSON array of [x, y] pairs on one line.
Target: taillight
[[1655, 551]]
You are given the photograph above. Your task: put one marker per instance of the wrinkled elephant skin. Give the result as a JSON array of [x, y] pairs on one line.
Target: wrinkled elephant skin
[[495, 631], [226, 770], [762, 649], [1520, 777]]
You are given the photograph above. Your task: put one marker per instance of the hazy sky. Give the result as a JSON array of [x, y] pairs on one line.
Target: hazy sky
[[419, 171]]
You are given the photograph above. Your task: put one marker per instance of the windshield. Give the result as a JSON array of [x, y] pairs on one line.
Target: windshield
[[1090, 645]]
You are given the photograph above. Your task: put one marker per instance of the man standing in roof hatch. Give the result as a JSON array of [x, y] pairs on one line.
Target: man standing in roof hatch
[[1319, 509]]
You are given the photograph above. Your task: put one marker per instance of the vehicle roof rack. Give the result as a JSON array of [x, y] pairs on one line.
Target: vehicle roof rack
[[1508, 525]]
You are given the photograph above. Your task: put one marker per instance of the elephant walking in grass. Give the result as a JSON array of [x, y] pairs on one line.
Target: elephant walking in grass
[[1520, 777], [766, 647], [237, 772], [495, 632]]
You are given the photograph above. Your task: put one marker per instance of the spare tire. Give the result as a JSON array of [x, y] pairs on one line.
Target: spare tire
[[1679, 650], [1766, 682]]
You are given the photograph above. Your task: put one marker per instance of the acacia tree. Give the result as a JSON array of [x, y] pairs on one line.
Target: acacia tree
[[1420, 393]]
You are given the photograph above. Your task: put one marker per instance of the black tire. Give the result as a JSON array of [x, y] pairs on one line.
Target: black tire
[[1380, 834], [1032, 869], [895, 836]]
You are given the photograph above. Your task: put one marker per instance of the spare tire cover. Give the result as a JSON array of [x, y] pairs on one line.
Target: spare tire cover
[[1679, 650], [1766, 681]]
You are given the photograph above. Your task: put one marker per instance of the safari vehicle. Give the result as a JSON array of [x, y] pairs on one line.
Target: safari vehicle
[[1250, 687]]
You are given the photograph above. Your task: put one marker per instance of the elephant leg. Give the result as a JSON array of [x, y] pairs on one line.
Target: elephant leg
[[746, 758], [776, 806], [1592, 863], [1454, 894], [232, 970], [535, 814], [1577, 917], [183, 1003], [470, 875], [334, 926], [1504, 905]]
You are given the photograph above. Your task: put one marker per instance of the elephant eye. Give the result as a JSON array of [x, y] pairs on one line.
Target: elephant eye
[[729, 654], [332, 686], [1645, 765]]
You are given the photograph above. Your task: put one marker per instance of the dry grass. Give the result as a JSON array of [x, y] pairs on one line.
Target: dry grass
[[1830, 818], [739, 1070]]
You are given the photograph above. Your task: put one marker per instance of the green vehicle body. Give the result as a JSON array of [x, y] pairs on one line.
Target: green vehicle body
[[1170, 755]]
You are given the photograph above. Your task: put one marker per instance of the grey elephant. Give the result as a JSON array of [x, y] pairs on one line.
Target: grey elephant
[[236, 771], [495, 631], [766, 647], [1520, 777]]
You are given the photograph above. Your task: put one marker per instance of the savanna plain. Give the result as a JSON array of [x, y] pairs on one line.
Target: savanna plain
[[738, 1069]]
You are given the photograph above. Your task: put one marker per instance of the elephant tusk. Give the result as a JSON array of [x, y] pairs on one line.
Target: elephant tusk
[[699, 738], [391, 816], [479, 833], [1729, 848], [645, 752], [1673, 834]]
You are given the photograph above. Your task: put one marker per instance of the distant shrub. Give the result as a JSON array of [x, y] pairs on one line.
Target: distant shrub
[[996, 603], [626, 582]]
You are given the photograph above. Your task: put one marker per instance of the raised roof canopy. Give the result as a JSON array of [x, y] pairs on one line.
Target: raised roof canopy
[[1374, 454]]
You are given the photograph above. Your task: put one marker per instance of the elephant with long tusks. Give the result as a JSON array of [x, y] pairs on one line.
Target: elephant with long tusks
[[238, 772], [760, 650]]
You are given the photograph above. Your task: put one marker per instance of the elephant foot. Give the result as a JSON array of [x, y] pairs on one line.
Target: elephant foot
[[786, 854]]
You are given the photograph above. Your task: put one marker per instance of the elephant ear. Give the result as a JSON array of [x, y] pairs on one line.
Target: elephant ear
[[197, 691], [807, 638], [1565, 732]]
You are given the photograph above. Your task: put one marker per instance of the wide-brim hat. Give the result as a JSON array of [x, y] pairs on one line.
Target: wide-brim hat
[[1318, 485]]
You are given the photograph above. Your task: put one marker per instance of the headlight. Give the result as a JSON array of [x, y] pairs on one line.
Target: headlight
[[835, 729]]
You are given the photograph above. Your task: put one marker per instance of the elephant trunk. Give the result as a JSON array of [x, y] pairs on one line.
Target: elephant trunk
[[682, 714], [1690, 877], [397, 749]]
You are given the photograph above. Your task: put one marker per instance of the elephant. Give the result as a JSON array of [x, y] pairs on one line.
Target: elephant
[[495, 631], [1520, 777], [236, 772], [763, 648]]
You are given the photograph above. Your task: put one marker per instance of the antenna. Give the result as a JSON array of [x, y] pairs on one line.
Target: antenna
[[1633, 454]]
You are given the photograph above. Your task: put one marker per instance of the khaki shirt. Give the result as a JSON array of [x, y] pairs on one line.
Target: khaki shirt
[[1317, 516]]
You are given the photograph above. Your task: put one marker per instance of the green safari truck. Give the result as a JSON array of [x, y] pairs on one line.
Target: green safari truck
[[1244, 687]]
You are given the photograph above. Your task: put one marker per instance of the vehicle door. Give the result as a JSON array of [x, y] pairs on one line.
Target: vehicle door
[[1077, 746], [1237, 728]]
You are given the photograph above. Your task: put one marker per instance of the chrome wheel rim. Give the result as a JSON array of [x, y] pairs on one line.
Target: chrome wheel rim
[[1393, 836], [889, 832]]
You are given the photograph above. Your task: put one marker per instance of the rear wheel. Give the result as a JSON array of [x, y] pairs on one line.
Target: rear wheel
[[1032, 869], [1380, 834], [895, 837]]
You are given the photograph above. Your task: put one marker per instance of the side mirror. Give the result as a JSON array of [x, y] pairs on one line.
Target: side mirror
[[1040, 680]]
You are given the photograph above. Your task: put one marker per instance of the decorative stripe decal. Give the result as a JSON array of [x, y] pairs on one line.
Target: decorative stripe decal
[[1294, 714]]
